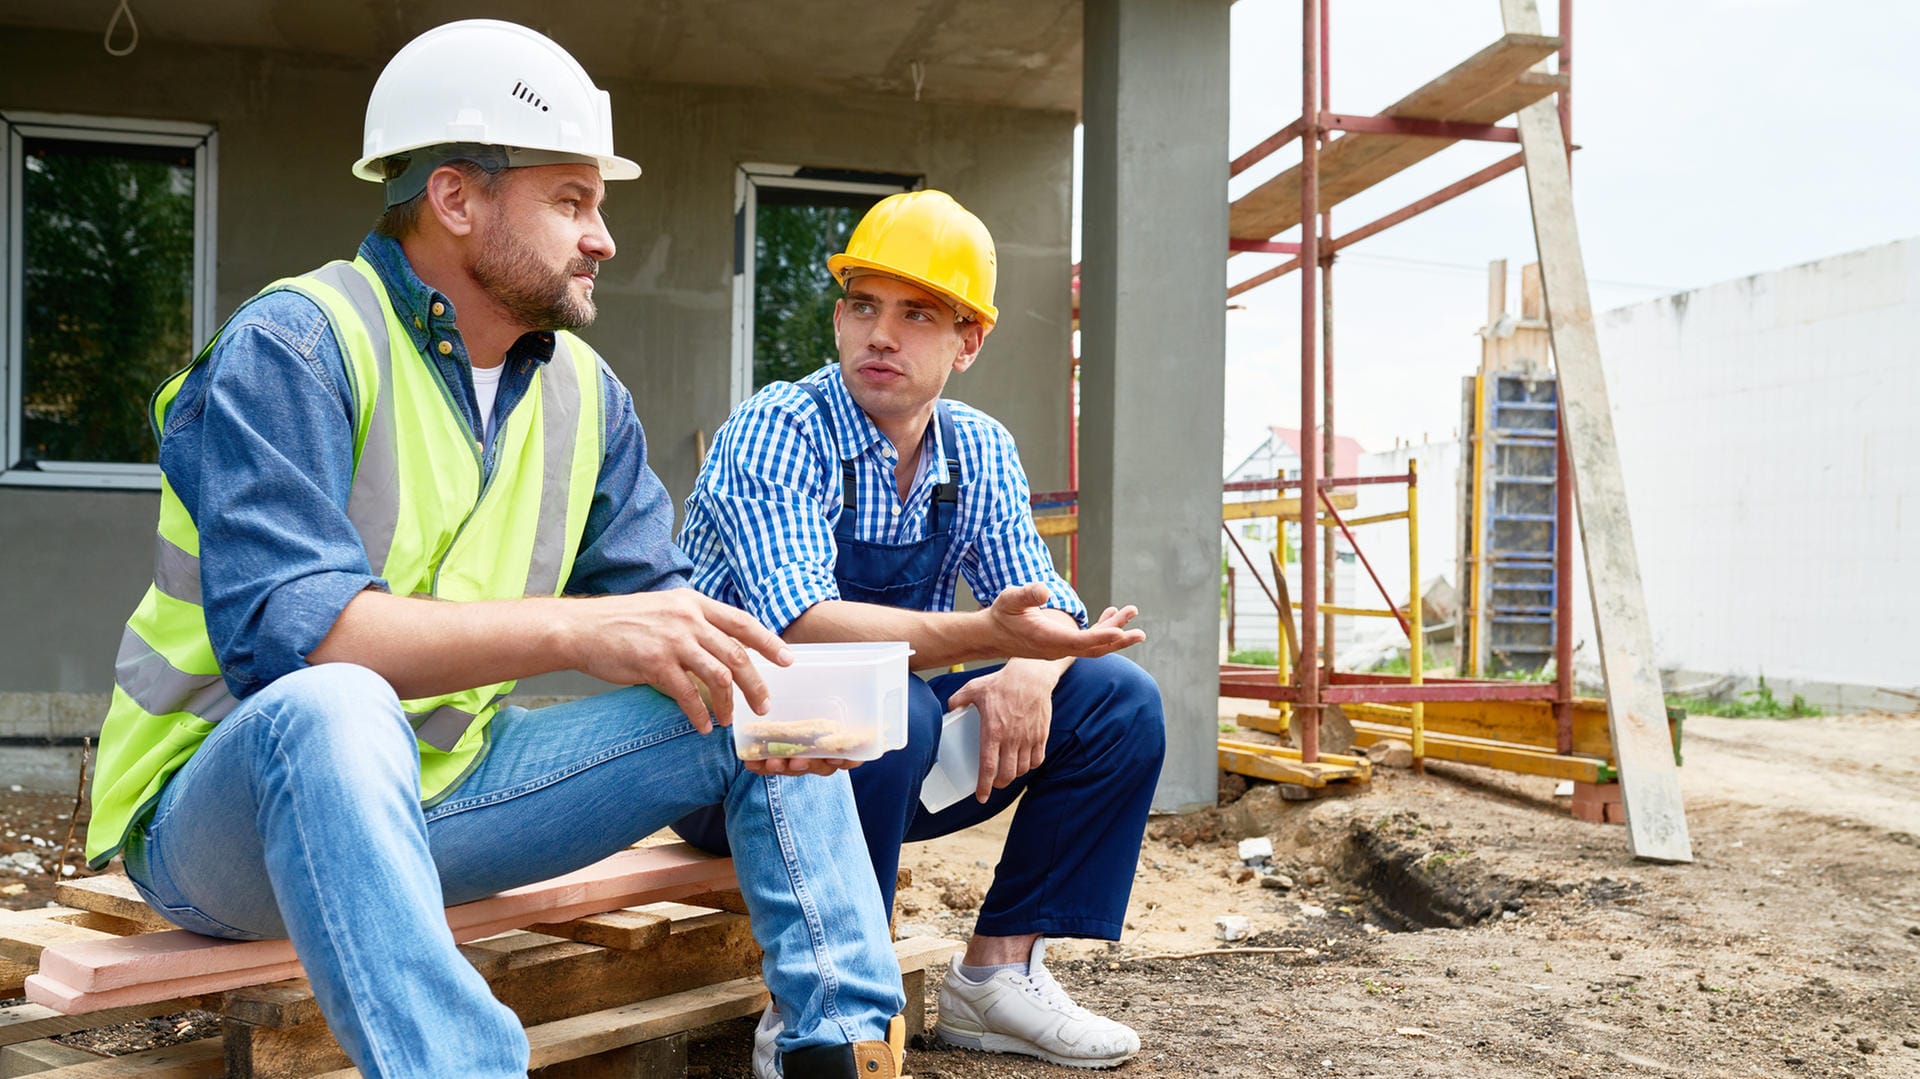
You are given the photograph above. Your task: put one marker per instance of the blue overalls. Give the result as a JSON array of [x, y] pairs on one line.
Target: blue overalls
[[1071, 850]]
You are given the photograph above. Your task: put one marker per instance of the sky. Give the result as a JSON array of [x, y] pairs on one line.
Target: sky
[[1719, 138]]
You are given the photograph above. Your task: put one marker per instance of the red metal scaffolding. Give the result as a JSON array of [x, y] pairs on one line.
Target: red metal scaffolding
[[1316, 682]]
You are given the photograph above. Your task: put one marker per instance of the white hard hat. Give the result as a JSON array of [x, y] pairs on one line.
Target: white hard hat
[[490, 83]]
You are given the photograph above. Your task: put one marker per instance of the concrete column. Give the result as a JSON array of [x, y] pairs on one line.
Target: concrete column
[[1153, 342]]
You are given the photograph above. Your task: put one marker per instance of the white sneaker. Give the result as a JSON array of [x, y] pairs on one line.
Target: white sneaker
[[766, 1058], [1031, 1015]]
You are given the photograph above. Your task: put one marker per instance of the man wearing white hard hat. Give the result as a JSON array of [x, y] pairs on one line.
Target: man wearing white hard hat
[[847, 506], [393, 486]]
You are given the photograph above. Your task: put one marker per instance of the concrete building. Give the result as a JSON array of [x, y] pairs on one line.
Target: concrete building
[[255, 111]]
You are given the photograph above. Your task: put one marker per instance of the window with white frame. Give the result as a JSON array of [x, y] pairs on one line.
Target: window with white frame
[[106, 288], [787, 221]]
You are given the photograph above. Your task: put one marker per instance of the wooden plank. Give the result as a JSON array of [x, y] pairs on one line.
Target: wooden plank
[[1525, 723], [661, 1058], [598, 1032], [1485, 88], [125, 970], [112, 894], [1271, 722], [1526, 760], [22, 940], [203, 1059], [44, 1055], [731, 901], [1282, 764], [26, 1022], [624, 929], [57, 994], [1637, 713], [1287, 509]]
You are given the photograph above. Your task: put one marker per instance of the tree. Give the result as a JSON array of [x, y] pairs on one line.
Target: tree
[[793, 293], [108, 291]]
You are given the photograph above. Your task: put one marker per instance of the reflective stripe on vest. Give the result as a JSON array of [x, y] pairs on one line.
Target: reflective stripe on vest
[[427, 526]]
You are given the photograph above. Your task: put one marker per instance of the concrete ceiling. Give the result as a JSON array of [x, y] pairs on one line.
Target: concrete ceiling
[[1021, 53]]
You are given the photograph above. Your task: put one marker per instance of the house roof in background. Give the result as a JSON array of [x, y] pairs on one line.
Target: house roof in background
[[1346, 451]]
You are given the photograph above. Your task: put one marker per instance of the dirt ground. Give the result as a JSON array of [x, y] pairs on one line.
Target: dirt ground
[[1462, 924]]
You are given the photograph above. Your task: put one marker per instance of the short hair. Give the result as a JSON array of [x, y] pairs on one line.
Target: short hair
[[402, 219]]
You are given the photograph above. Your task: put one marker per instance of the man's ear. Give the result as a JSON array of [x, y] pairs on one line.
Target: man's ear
[[452, 201], [839, 306], [972, 336]]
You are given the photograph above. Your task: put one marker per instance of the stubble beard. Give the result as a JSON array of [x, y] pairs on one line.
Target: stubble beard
[[531, 294]]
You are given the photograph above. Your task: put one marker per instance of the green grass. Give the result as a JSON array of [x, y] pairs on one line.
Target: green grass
[[1756, 703], [1262, 657]]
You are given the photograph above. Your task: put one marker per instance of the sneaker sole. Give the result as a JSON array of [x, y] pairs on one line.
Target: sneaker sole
[[988, 1042]]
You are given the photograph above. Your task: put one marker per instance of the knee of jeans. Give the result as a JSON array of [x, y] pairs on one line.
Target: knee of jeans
[[1133, 703], [336, 707]]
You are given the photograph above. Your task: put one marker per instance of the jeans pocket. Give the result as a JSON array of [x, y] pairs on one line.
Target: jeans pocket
[[183, 914]]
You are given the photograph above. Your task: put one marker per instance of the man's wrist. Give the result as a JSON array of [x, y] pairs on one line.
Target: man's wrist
[[558, 640], [1047, 670], [982, 637]]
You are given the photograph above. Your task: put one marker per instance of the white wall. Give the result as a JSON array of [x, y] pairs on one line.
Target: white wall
[[1769, 438], [1769, 432]]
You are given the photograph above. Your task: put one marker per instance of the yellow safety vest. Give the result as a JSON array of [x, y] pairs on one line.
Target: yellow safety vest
[[429, 524]]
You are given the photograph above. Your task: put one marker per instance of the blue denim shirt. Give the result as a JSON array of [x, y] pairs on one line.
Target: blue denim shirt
[[258, 445]]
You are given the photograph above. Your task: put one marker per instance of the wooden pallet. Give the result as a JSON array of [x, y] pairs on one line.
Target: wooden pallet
[[606, 992]]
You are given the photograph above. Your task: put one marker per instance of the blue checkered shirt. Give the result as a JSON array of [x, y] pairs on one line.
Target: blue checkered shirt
[[760, 521]]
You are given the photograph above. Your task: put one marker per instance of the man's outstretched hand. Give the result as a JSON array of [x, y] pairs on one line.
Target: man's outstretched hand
[[1029, 630]]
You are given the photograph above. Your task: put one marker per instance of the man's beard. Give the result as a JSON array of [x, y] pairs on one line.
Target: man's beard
[[532, 295]]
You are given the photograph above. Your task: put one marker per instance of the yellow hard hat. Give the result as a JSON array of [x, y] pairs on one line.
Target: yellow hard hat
[[926, 238]]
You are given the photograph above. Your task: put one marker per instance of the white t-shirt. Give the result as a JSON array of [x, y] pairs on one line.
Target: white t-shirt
[[486, 384]]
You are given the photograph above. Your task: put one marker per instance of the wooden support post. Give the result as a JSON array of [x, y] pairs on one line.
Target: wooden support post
[[913, 983], [1636, 709]]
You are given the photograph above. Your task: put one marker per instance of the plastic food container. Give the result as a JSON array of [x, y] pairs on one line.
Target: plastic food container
[[956, 767], [836, 700]]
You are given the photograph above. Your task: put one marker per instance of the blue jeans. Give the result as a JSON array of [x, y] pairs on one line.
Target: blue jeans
[[300, 817], [1074, 843]]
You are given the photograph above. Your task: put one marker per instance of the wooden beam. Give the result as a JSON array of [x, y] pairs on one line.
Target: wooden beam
[[623, 929], [1636, 709], [1526, 760], [111, 894], [28, 1022], [203, 1059], [22, 939], [1485, 88], [1282, 764], [1526, 723]]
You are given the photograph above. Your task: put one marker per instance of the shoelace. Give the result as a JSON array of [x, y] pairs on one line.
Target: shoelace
[[1041, 986]]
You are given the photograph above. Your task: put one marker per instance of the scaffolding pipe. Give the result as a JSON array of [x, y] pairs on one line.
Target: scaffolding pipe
[[1329, 455], [1307, 707], [1334, 516], [1416, 654]]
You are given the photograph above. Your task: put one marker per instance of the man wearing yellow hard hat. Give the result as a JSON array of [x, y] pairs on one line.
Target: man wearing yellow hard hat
[[381, 478], [847, 506]]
